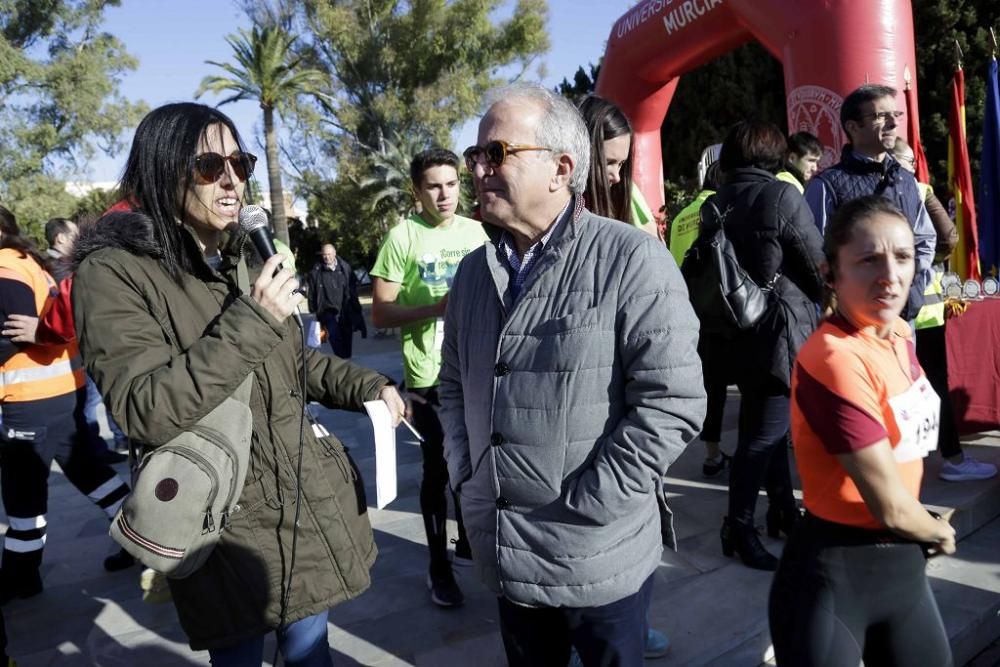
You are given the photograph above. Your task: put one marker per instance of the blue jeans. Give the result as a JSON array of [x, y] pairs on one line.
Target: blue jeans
[[90, 415], [302, 644]]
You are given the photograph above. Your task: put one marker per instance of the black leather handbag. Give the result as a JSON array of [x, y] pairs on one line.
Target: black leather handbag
[[724, 297]]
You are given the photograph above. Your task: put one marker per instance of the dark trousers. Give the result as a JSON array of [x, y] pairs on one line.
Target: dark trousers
[[834, 603], [716, 392], [33, 434], [434, 485], [612, 635], [932, 354], [339, 332], [761, 457], [715, 365]]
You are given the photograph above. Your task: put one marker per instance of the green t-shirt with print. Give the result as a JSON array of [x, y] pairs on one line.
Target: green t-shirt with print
[[423, 258]]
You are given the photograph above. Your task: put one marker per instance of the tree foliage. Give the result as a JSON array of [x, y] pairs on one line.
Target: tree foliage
[[938, 24], [59, 101], [583, 84], [413, 69], [270, 72]]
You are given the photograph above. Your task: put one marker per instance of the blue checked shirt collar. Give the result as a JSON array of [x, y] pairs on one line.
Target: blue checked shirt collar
[[521, 266]]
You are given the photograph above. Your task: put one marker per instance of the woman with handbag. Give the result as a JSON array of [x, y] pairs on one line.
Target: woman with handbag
[[169, 334], [852, 584], [776, 242]]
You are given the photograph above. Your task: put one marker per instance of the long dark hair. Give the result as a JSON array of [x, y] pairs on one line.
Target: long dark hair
[[12, 238], [159, 169], [606, 121]]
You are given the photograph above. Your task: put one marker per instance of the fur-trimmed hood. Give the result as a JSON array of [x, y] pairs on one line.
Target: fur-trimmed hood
[[124, 231], [133, 233]]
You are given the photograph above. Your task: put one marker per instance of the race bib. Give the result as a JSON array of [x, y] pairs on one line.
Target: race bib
[[917, 412]]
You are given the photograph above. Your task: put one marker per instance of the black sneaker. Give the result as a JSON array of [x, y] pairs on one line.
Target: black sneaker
[[119, 561], [444, 590], [463, 554], [712, 468]]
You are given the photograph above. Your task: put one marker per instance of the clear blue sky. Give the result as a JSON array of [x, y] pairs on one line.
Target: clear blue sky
[[172, 40]]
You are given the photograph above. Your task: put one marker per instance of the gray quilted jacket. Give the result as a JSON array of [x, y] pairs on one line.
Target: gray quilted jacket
[[563, 410]]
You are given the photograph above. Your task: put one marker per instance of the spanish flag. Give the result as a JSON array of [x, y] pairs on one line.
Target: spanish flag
[[913, 132], [965, 259]]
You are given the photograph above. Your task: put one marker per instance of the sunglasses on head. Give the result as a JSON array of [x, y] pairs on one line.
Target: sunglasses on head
[[494, 153], [209, 166]]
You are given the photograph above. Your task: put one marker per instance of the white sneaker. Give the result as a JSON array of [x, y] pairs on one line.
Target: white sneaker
[[967, 470]]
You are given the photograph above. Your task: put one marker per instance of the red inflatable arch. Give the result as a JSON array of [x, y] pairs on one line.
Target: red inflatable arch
[[827, 47]]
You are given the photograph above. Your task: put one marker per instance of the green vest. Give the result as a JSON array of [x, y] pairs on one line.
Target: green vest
[[932, 313], [685, 226], [789, 177]]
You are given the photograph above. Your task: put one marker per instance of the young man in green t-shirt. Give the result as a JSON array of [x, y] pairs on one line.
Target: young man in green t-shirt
[[412, 276]]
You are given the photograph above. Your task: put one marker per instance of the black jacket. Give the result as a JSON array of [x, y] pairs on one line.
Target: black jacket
[[773, 234], [337, 291]]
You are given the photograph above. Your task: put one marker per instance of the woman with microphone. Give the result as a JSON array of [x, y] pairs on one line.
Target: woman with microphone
[[168, 334]]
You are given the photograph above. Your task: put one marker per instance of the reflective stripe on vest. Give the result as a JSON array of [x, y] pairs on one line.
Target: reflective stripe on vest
[[37, 371], [932, 313]]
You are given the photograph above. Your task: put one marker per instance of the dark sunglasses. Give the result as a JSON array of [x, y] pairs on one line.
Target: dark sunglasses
[[209, 166], [494, 153]]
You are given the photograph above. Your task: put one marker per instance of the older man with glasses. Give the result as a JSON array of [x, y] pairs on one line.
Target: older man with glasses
[[570, 382]]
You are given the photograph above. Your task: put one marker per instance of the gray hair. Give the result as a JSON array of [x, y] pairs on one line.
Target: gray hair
[[561, 129]]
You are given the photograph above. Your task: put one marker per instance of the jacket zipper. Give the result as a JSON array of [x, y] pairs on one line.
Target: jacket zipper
[[208, 525], [219, 441]]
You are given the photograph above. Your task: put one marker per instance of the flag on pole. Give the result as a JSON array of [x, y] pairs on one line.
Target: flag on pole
[[965, 259], [989, 174], [913, 132]]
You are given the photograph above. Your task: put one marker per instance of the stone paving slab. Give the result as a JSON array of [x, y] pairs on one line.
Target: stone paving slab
[[712, 607]]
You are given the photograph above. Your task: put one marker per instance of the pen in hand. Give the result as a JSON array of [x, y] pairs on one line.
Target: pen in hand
[[408, 425]]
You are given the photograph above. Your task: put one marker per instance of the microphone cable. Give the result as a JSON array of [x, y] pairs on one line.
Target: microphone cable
[[298, 493]]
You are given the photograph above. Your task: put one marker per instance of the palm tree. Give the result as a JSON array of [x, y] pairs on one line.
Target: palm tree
[[389, 179], [269, 71]]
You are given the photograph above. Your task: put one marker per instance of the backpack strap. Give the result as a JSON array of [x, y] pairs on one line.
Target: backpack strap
[[712, 218]]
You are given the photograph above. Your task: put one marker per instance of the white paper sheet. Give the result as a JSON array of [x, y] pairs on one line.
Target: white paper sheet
[[385, 452]]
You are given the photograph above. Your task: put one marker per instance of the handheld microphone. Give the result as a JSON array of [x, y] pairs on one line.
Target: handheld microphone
[[253, 221]]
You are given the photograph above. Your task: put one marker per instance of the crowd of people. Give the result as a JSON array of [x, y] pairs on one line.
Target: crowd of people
[[552, 363]]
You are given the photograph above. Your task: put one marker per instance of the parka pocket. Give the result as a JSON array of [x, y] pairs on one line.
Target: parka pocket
[[335, 457]]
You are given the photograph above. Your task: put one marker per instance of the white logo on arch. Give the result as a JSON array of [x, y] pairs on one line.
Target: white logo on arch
[[816, 110]]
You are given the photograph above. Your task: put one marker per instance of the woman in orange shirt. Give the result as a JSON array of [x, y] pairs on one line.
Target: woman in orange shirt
[[852, 584]]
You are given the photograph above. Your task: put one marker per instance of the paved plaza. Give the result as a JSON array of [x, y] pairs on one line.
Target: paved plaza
[[712, 608]]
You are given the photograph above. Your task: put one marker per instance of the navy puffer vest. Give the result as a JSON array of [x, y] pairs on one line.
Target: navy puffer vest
[[854, 177]]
